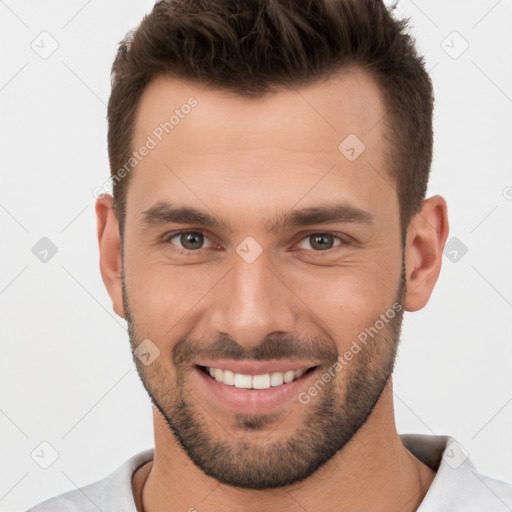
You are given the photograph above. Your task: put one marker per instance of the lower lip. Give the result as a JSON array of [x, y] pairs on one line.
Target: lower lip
[[254, 401]]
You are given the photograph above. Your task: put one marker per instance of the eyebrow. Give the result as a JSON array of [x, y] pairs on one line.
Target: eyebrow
[[163, 213]]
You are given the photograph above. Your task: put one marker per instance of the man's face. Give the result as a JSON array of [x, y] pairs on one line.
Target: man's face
[[242, 297]]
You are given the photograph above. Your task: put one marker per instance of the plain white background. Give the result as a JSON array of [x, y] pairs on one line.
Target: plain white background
[[67, 376]]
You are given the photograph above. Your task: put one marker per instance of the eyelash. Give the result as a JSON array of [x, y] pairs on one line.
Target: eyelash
[[189, 252]]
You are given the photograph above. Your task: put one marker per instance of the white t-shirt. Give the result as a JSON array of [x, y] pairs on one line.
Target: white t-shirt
[[457, 486]]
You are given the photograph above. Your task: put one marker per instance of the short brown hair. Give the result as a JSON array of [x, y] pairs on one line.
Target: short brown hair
[[251, 47]]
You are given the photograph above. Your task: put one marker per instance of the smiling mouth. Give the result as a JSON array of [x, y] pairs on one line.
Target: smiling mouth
[[262, 381]]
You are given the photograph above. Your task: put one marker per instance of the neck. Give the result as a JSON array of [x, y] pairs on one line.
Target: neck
[[374, 471]]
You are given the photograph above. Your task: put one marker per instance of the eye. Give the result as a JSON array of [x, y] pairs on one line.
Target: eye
[[321, 241], [191, 241]]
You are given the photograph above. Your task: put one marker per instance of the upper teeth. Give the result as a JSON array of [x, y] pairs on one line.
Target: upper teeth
[[262, 381]]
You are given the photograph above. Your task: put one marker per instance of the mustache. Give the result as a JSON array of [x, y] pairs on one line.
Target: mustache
[[272, 347]]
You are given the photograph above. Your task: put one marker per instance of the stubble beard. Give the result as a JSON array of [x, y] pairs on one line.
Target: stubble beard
[[251, 457]]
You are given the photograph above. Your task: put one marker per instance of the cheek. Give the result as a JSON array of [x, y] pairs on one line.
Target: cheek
[[162, 295], [347, 299], [343, 299]]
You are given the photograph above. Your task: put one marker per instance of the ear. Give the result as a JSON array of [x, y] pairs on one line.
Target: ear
[[426, 237], [109, 241]]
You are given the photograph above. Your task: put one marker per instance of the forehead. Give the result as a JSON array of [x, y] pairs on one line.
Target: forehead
[[350, 102], [206, 144]]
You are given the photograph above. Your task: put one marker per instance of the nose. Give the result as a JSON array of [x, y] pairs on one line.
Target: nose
[[253, 301]]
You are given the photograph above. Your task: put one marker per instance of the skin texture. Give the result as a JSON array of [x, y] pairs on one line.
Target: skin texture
[[247, 162]]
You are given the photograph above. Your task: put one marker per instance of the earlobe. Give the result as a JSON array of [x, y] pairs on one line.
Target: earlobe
[[109, 242], [426, 238]]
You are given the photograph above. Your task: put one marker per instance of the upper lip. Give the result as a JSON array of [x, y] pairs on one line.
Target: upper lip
[[257, 367]]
